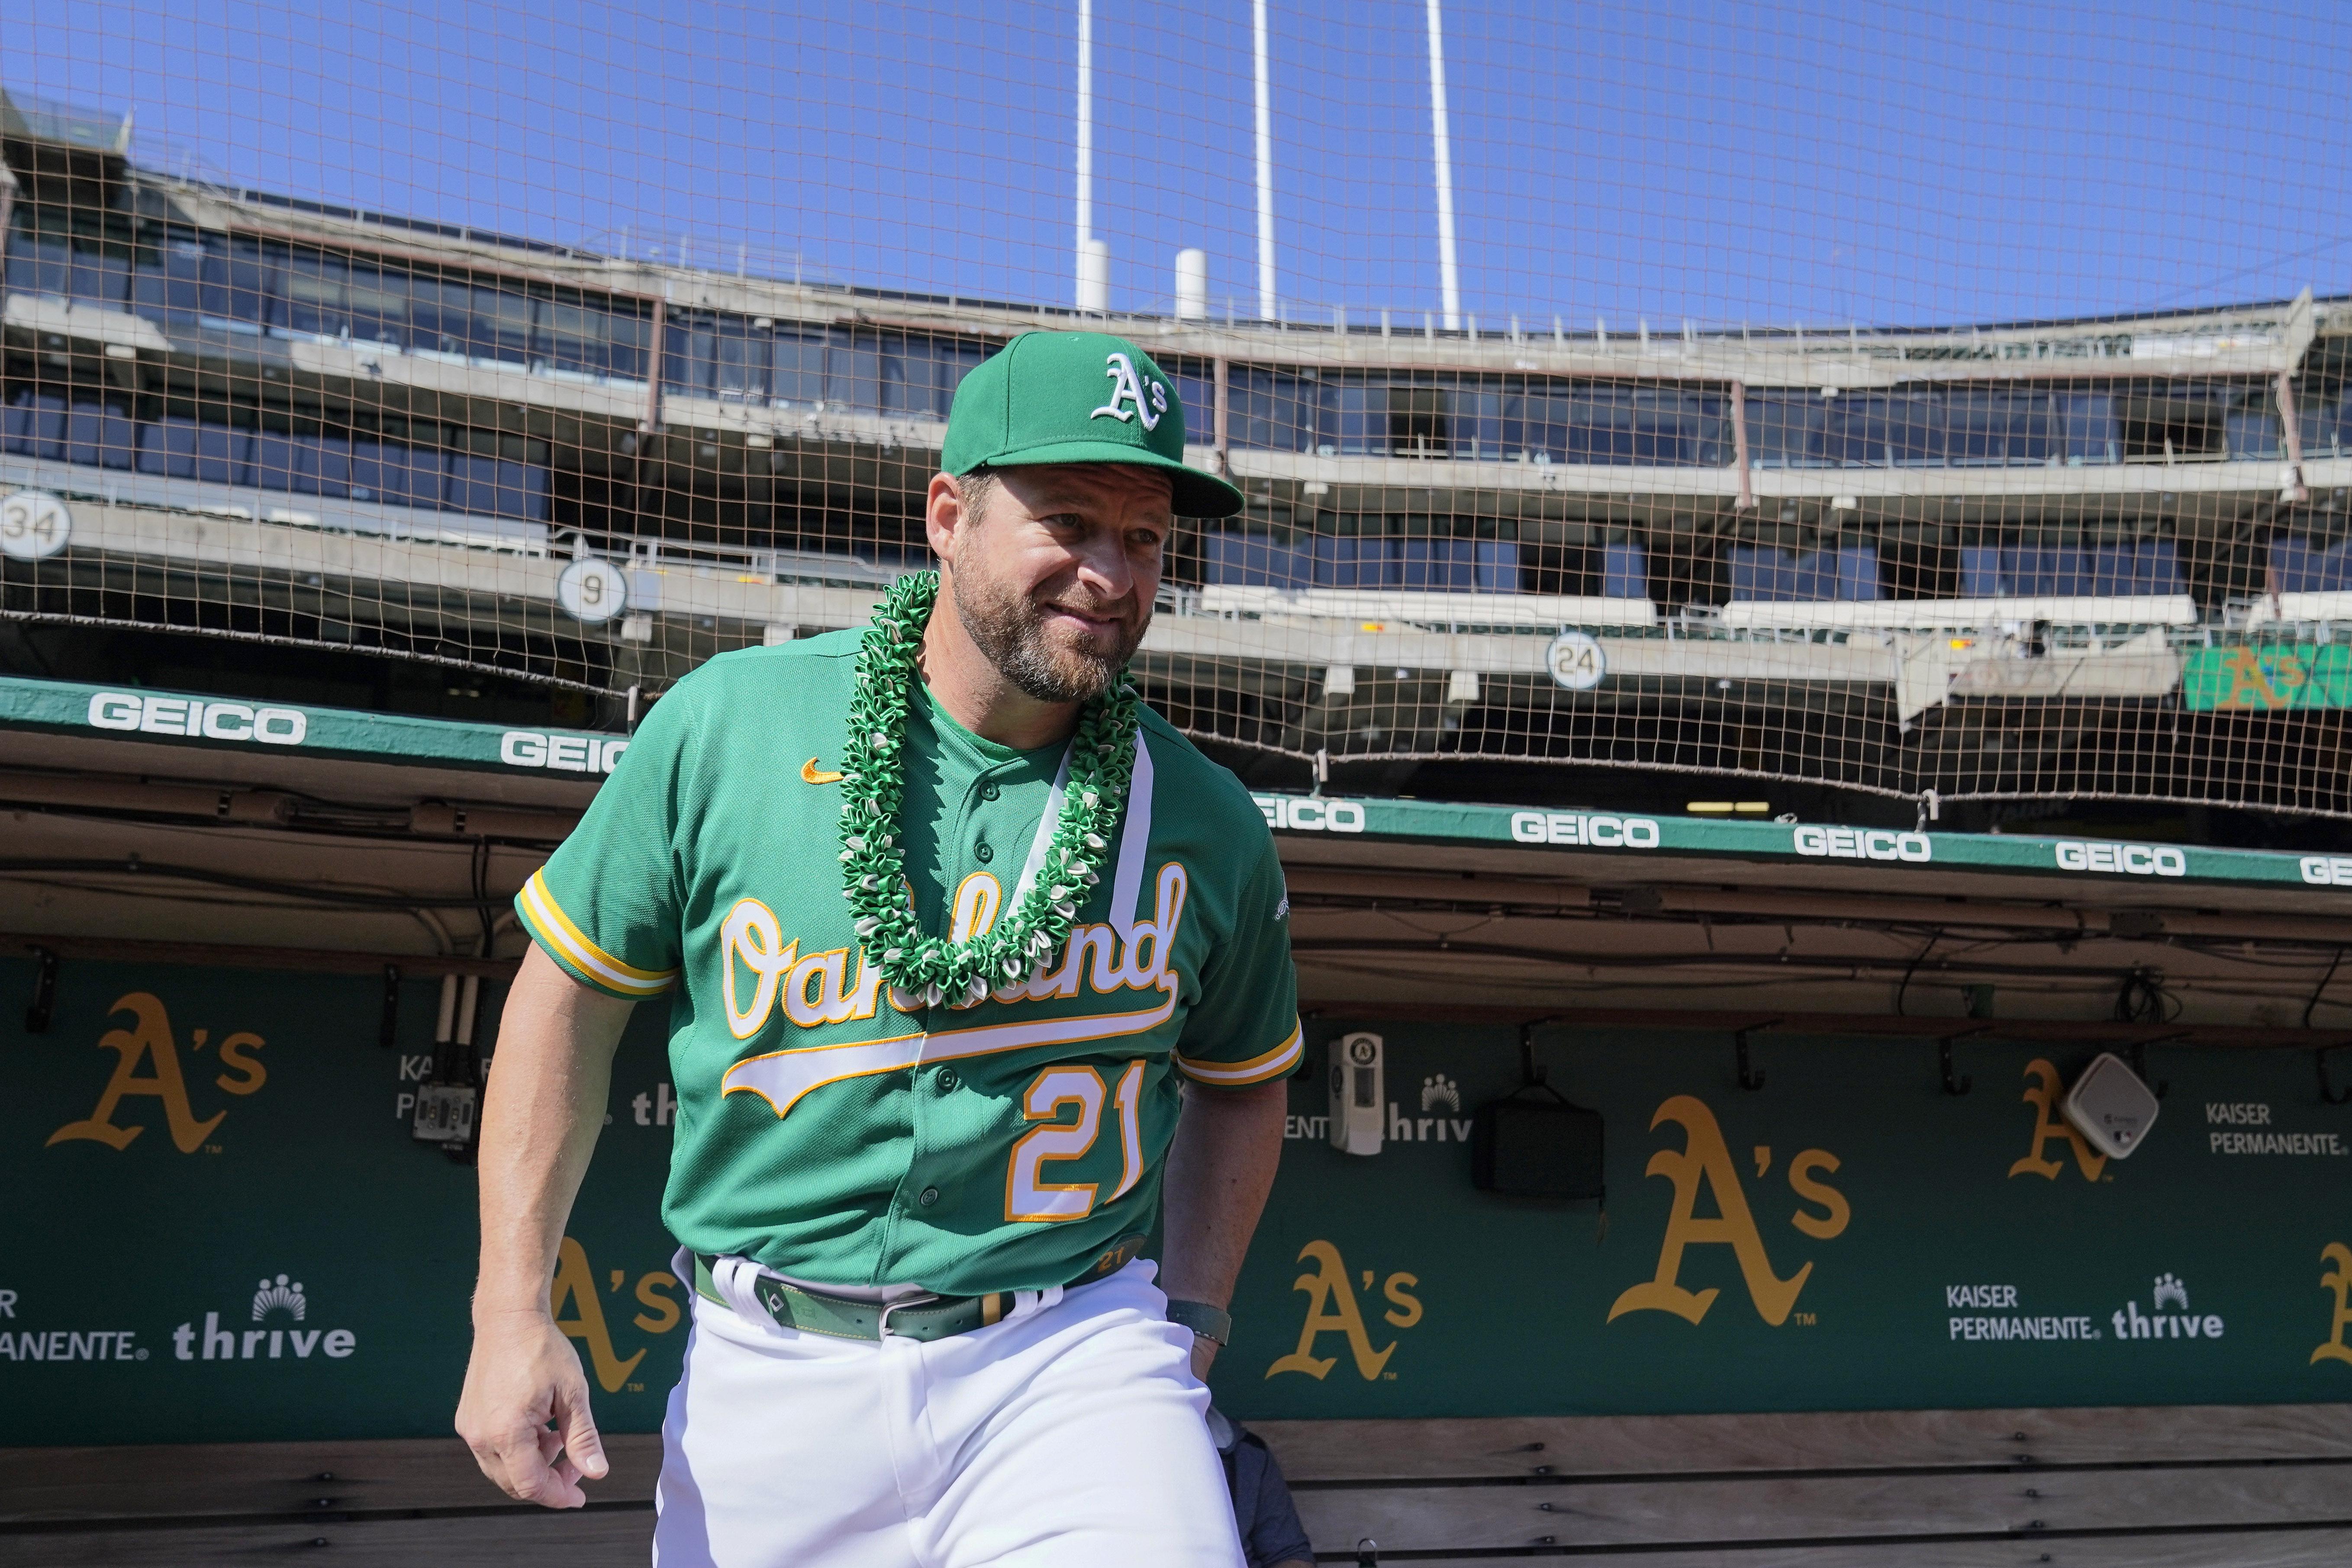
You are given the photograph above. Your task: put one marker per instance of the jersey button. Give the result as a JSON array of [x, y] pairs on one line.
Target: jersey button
[[983, 854], [947, 1080], [988, 791], [927, 1196]]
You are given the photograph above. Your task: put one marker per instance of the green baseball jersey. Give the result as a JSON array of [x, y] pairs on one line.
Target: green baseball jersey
[[824, 1131]]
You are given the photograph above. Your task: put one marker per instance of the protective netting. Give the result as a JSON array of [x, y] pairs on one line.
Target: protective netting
[[1899, 400]]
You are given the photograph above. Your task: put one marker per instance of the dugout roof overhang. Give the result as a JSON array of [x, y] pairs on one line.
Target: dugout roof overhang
[[298, 825], [68, 728]]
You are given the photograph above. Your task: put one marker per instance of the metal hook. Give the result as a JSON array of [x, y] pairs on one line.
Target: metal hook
[[1749, 1079], [391, 1024], [45, 992], [1529, 1073], [2140, 1060], [1954, 1083], [2326, 1090]]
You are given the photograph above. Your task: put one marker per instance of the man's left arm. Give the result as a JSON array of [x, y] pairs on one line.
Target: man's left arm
[[1241, 1043], [1220, 1169]]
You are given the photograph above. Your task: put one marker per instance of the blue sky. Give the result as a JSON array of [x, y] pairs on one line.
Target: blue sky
[[1823, 161]]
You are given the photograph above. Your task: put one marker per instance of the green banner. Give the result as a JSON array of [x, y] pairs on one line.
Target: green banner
[[134, 713], [1850, 1236], [2267, 678], [222, 1230], [60, 707], [1634, 836]]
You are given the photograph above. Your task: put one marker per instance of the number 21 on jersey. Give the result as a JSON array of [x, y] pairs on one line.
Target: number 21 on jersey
[[1027, 1194]]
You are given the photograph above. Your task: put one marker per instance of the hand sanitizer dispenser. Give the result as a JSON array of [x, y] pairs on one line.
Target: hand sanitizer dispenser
[[1358, 1101]]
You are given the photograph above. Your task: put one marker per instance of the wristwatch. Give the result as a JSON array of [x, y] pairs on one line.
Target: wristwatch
[[1214, 1324]]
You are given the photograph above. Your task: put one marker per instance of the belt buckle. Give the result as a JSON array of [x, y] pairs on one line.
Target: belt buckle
[[882, 1325]]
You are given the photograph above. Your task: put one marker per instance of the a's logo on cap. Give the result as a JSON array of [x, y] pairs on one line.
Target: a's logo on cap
[[1127, 387]]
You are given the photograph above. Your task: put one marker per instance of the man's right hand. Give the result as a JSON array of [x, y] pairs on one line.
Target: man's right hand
[[522, 1376], [541, 1110]]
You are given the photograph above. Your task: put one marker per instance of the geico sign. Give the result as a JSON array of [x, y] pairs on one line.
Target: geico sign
[[2328, 870], [1864, 844], [1595, 831], [1311, 816], [564, 753], [195, 716], [2131, 859]]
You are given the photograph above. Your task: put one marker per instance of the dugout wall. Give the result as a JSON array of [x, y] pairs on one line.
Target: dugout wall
[[1825, 1055]]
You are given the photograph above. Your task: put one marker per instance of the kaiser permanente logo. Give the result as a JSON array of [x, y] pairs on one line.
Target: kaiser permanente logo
[[281, 1308], [2167, 1317], [63, 1344]]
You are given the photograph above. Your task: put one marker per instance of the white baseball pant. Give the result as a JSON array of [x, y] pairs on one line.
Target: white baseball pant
[[1071, 1435]]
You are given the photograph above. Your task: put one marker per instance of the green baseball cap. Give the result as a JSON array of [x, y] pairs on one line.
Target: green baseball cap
[[1078, 397]]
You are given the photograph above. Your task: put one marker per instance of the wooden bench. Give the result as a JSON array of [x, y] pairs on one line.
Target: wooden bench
[[2241, 1486], [2188, 1487]]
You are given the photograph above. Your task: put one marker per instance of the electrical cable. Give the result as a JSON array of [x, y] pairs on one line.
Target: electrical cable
[[2322, 986]]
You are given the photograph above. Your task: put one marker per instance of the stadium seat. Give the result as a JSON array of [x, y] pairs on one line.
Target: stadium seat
[[2147, 567], [1624, 570], [1764, 574], [1239, 559], [1498, 566], [1355, 561], [1442, 565], [1232, 559], [35, 425], [2308, 566]]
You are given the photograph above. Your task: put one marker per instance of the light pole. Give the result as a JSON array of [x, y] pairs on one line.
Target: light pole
[[1265, 289], [1449, 277], [1090, 268]]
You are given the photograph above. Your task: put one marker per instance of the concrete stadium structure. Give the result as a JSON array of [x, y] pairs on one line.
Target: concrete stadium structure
[[1910, 562]]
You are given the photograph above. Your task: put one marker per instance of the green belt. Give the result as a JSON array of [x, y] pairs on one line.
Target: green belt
[[923, 1318]]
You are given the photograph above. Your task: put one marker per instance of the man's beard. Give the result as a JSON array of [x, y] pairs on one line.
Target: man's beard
[[1010, 630]]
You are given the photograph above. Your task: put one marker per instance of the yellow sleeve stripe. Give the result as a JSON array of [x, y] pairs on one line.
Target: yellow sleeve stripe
[[554, 928], [1257, 1070]]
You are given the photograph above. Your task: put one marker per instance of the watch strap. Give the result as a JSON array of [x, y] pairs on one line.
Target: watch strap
[[1211, 1324]]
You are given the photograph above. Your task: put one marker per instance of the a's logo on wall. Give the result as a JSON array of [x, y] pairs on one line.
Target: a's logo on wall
[[2337, 1279], [1439, 1090], [575, 1286], [280, 1316], [149, 1044], [1332, 1308], [2043, 1091], [277, 1296], [1704, 1160]]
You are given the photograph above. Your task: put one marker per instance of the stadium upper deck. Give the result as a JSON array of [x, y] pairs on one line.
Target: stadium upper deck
[[271, 417]]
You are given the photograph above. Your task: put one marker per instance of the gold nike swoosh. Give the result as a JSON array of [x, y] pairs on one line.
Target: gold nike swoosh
[[812, 773]]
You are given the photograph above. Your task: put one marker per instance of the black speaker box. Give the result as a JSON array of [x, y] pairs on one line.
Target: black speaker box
[[1536, 1147]]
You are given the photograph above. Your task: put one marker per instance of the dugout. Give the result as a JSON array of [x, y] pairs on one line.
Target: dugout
[[1855, 1294]]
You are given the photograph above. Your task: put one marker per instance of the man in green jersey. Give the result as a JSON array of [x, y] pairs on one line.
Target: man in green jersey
[[975, 966]]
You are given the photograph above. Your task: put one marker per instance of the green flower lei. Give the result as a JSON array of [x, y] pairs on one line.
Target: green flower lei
[[873, 793]]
